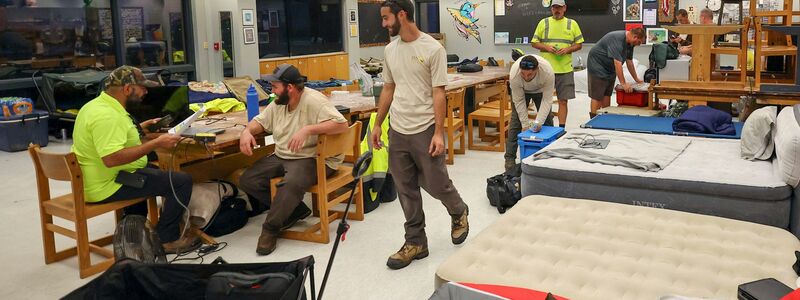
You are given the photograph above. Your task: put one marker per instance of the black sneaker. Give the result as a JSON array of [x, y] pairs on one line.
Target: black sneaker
[[300, 212]]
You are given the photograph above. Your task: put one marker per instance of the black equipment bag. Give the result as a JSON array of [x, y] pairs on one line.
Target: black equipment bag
[[503, 190], [134, 280], [469, 68]]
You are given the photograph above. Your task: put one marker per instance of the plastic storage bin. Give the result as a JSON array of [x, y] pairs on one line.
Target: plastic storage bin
[[633, 99], [530, 142], [17, 132]]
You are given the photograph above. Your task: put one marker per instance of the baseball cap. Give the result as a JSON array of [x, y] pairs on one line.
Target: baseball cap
[[286, 73], [128, 75], [558, 2]]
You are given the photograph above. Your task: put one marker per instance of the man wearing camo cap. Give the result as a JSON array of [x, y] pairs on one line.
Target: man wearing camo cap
[[108, 143]]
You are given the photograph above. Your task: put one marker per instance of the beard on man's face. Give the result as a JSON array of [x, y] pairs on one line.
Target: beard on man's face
[[394, 29], [283, 98]]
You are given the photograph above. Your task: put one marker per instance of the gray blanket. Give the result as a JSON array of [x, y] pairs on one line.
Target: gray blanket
[[645, 152]]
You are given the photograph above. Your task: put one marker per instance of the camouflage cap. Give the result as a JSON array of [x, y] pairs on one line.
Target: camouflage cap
[[128, 75]]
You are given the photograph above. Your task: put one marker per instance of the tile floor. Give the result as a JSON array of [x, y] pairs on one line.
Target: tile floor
[[359, 271]]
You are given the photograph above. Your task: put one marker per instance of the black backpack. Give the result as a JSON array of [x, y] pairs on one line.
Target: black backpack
[[504, 190], [231, 216]]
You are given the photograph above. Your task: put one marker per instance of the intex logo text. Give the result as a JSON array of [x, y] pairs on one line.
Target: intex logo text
[[649, 204]]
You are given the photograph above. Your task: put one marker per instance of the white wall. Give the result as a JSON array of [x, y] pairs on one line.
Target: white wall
[[205, 14], [455, 44]]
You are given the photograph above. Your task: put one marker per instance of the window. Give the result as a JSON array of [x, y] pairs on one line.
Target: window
[[427, 15], [69, 35], [299, 27], [58, 36], [153, 32]]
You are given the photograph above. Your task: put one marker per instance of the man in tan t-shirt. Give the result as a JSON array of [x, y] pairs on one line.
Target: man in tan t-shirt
[[415, 72], [295, 120]]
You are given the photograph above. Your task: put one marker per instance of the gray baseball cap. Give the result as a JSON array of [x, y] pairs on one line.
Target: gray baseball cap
[[558, 2], [286, 73]]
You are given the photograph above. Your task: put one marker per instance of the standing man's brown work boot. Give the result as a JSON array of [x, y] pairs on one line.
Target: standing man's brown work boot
[[267, 242], [406, 254], [460, 227]]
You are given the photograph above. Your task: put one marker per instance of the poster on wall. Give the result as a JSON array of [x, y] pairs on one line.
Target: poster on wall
[[132, 23], [247, 17], [666, 11], [656, 36], [501, 37], [499, 7], [650, 17], [632, 11], [464, 20], [249, 35]]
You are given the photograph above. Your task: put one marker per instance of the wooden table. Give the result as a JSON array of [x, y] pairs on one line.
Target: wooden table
[[464, 80], [359, 104], [702, 39], [699, 93], [217, 160], [776, 98]]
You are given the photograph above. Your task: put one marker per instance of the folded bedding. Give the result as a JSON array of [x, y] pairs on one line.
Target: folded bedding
[[642, 152], [704, 119]]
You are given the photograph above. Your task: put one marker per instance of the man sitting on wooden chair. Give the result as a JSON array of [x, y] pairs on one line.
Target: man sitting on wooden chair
[[113, 158], [295, 120], [531, 78]]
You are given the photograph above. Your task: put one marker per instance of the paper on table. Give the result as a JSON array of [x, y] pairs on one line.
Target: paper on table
[[650, 17]]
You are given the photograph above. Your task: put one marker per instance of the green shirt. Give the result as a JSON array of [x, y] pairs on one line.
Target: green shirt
[[102, 128], [559, 34]]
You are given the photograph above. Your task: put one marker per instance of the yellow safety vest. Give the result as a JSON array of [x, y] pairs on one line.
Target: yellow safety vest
[[558, 34]]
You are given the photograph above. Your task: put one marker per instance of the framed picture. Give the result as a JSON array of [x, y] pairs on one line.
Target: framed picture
[[249, 35], [248, 18], [656, 36], [353, 16], [632, 12], [273, 19]]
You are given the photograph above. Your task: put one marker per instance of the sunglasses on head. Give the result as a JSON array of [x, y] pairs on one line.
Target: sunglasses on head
[[526, 65]]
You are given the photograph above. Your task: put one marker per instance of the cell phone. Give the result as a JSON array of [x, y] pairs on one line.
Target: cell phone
[[164, 122], [131, 179]]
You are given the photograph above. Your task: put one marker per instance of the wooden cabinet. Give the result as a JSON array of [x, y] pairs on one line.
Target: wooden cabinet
[[342, 67], [267, 67], [321, 67], [328, 67], [302, 65], [315, 68]]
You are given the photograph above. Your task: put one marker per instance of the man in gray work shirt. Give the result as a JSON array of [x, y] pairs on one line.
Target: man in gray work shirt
[[531, 78], [605, 63]]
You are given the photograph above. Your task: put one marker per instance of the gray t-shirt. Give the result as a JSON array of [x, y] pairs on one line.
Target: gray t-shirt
[[611, 47]]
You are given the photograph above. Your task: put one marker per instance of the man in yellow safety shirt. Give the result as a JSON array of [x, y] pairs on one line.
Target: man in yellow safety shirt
[[557, 37]]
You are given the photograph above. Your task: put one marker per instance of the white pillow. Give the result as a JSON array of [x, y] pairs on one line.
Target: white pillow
[[787, 145], [757, 140]]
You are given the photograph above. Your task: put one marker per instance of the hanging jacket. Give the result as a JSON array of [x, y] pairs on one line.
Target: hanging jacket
[[378, 184]]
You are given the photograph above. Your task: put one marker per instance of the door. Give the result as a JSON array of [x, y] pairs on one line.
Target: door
[[226, 41]]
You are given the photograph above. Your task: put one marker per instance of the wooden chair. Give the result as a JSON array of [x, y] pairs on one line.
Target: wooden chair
[[64, 167], [500, 116], [454, 124], [333, 190]]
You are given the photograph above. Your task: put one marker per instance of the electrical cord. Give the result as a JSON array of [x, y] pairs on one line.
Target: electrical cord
[[201, 252], [587, 141], [187, 224]]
